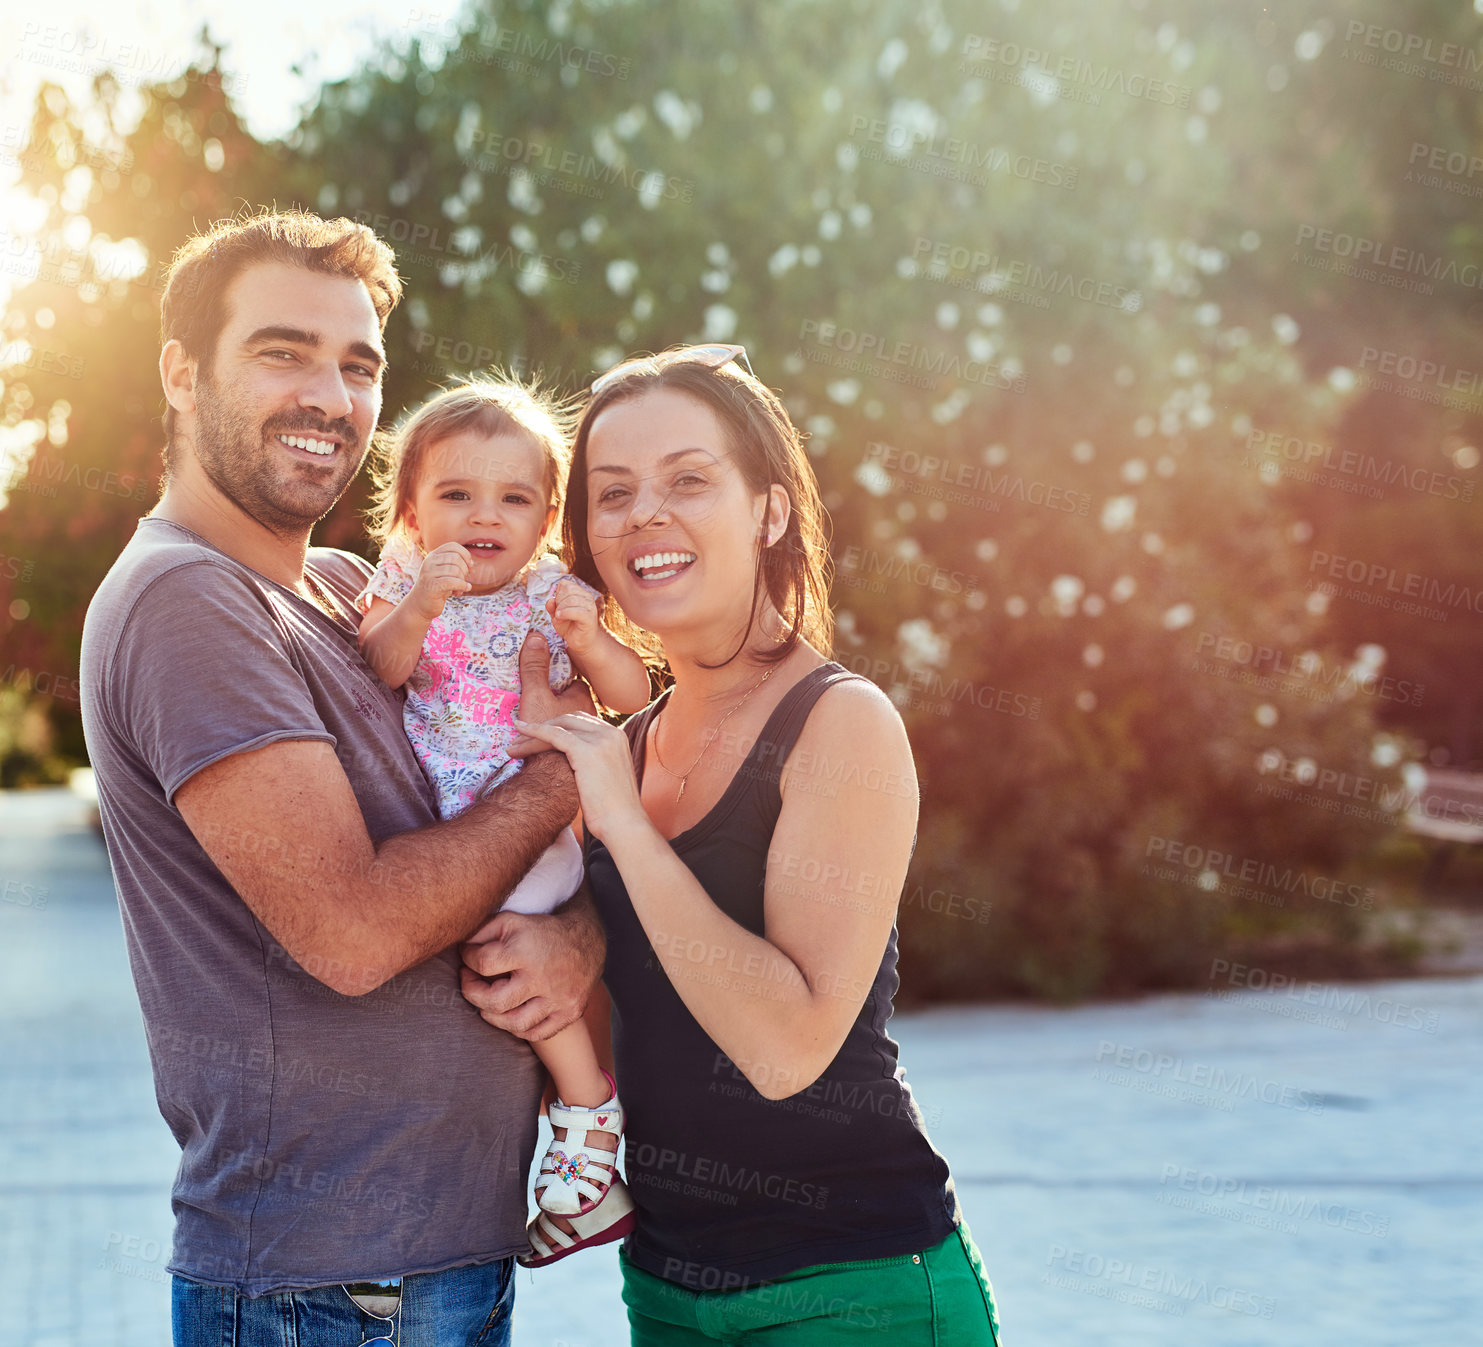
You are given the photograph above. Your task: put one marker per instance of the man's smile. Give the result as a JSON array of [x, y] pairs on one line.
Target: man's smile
[[312, 444]]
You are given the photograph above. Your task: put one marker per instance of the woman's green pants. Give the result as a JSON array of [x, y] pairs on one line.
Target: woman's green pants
[[939, 1297]]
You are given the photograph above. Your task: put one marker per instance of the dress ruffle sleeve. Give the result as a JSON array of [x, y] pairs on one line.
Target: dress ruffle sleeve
[[395, 573], [538, 586]]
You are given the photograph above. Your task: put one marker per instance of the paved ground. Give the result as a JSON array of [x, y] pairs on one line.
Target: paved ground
[[1274, 1168]]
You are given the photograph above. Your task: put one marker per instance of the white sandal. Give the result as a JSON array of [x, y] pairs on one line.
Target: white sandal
[[575, 1177], [611, 1219]]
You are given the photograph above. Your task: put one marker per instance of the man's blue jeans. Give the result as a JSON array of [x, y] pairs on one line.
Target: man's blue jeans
[[462, 1307]]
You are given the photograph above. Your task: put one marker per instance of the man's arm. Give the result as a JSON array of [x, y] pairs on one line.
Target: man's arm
[[285, 829]]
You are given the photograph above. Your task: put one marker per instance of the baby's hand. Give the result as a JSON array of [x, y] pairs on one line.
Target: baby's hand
[[574, 613], [445, 572]]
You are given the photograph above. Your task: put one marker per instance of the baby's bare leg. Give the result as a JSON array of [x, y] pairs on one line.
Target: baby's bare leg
[[572, 1061]]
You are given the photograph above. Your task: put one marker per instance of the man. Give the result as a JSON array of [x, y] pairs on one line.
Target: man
[[291, 904]]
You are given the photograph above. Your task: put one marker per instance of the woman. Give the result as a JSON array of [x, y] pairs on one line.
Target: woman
[[748, 836]]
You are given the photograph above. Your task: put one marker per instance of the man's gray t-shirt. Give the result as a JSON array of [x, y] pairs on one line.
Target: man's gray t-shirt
[[325, 1138]]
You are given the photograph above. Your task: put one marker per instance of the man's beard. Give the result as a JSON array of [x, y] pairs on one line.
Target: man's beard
[[282, 496]]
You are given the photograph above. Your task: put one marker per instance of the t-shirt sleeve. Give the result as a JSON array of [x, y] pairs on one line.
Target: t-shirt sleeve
[[395, 573], [202, 671]]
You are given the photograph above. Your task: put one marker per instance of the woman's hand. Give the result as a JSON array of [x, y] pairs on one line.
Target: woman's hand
[[600, 758]]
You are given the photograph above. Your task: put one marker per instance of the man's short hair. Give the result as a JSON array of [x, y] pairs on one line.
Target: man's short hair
[[192, 309]]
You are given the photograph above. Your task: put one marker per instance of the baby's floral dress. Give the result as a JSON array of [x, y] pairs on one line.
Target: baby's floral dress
[[465, 689]]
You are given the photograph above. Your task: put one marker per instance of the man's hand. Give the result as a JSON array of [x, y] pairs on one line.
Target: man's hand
[[537, 701], [532, 975]]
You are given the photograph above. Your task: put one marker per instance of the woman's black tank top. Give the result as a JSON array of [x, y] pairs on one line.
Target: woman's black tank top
[[733, 1188]]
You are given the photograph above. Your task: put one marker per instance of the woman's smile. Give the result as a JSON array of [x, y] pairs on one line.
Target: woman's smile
[[660, 566]]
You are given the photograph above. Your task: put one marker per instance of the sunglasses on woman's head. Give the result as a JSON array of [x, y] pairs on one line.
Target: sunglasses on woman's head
[[712, 357]]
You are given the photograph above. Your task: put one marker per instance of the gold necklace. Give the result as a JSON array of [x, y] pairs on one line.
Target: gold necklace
[[714, 735]]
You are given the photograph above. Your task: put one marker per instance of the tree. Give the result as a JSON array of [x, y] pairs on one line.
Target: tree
[[82, 401]]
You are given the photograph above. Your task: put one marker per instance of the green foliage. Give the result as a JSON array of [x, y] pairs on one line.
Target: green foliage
[[1033, 327]]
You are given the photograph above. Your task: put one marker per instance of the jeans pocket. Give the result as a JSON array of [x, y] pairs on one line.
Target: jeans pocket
[[217, 1316], [200, 1315], [496, 1330]]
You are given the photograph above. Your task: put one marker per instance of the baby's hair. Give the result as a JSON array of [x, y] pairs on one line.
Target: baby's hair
[[493, 404]]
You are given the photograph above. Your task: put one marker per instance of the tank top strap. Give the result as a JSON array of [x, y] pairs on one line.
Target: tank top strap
[[787, 721], [757, 780], [637, 725]]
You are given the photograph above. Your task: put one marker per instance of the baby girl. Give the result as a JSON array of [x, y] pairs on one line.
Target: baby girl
[[467, 505]]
